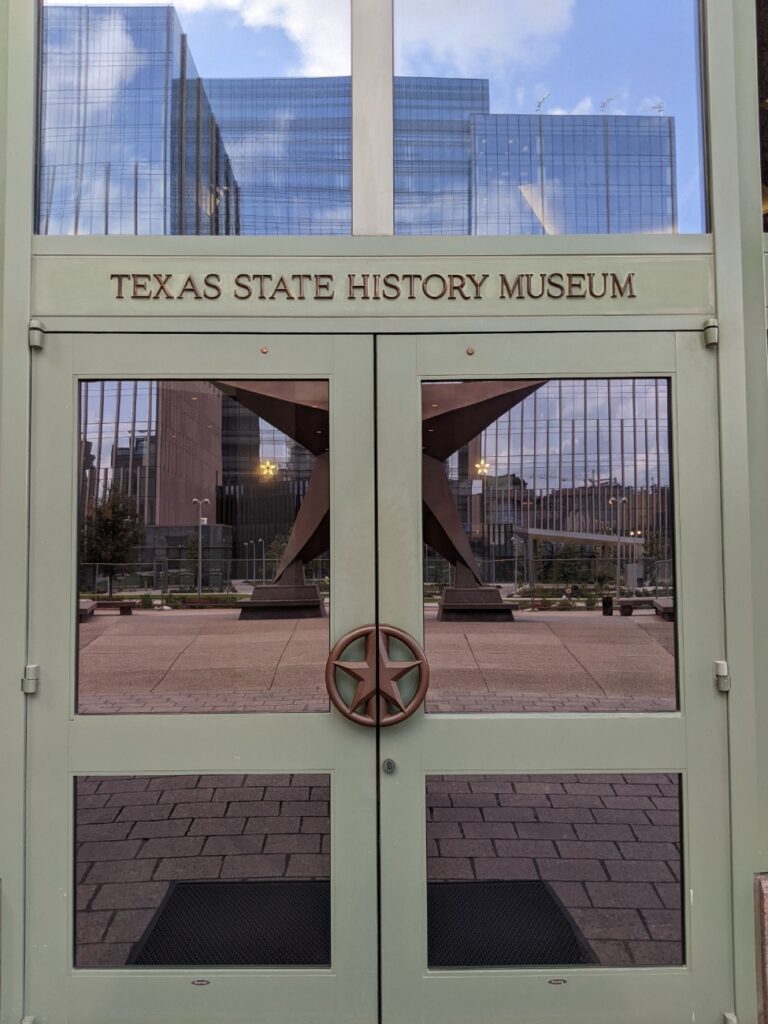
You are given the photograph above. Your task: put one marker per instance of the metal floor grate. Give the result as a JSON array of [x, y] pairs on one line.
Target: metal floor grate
[[234, 924], [501, 924]]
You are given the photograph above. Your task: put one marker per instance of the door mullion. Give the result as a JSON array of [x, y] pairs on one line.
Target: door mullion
[[372, 118]]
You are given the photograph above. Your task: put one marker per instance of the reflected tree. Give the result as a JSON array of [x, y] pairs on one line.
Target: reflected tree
[[110, 534]]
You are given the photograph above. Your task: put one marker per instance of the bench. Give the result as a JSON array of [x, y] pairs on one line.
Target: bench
[[628, 604], [85, 610], [665, 607], [124, 607]]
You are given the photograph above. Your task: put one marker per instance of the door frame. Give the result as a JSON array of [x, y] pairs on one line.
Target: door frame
[[517, 743], [172, 743]]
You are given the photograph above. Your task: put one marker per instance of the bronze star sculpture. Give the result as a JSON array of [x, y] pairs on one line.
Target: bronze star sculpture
[[453, 413]]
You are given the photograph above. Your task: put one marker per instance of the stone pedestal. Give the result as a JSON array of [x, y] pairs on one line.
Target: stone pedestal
[[473, 604], [284, 601]]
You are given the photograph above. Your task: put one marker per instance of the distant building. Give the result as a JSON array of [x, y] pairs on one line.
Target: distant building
[[133, 141]]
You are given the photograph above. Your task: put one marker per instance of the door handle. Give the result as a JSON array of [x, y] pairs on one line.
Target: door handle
[[378, 698]]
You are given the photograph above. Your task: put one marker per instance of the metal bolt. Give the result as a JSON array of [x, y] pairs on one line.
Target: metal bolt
[[388, 766]]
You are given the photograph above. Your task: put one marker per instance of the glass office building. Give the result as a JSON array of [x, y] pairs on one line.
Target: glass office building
[[134, 141]]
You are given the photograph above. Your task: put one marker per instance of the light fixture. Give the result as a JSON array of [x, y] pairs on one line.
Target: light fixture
[[268, 469], [482, 467]]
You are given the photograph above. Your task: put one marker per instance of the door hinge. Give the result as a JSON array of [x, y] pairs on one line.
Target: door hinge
[[722, 676], [36, 334], [711, 331], [30, 681]]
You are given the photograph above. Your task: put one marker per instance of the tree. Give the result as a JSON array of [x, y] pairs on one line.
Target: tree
[[569, 565], [111, 532]]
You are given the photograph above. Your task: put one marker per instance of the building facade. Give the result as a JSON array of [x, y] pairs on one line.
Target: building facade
[[503, 369]]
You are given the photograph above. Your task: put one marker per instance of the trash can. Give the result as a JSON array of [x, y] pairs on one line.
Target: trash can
[[607, 605]]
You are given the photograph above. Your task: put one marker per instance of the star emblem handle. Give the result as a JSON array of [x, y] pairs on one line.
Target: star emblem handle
[[377, 699]]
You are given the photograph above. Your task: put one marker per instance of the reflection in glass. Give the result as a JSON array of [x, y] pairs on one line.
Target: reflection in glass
[[548, 560], [158, 121], [141, 841], [204, 534], [603, 851], [584, 118]]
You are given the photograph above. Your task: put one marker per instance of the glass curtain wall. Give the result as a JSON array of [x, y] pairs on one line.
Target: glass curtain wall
[[566, 117], [183, 120], [570, 117]]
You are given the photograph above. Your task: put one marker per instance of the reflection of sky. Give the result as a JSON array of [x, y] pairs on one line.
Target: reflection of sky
[[554, 438], [581, 52]]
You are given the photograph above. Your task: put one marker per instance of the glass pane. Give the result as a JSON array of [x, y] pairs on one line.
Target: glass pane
[[194, 120], [204, 569], [548, 557], [155, 852], [541, 870], [563, 117]]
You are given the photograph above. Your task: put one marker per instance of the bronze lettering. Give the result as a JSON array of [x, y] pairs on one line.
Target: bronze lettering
[[529, 285], [391, 286], [352, 287], [555, 286], [261, 279], [456, 285], [281, 288], [592, 292], [243, 282], [323, 283], [619, 290], [212, 284], [477, 283], [141, 286], [190, 285], [377, 286], [162, 289], [443, 286], [410, 280], [119, 288], [300, 279], [576, 286], [511, 291]]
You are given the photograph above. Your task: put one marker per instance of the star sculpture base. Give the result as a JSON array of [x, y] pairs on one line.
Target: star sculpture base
[[473, 604], [284, 601]]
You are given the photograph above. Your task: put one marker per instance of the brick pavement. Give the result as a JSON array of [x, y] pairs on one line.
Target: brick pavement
[[608, 845], [189, 661], [137, 834]]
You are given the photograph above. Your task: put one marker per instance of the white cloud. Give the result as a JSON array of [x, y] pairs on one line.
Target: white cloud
[[476, 39], [321, 31], [584, 106]]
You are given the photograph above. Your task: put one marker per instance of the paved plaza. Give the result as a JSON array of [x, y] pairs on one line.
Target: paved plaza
[[607, 844], [211, 661]]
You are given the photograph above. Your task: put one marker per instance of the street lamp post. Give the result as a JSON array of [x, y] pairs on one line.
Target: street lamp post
[[263, 560], [200, 502], [616, 502]]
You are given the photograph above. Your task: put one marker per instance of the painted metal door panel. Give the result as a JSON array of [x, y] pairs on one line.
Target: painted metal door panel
[[631, 761], [126, 759]]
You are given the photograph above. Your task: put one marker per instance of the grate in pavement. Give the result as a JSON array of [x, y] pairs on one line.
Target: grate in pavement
[[229, 924], [501, 924]]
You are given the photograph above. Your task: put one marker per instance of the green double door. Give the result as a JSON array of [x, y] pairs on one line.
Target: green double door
[[507, 805]]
